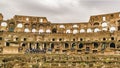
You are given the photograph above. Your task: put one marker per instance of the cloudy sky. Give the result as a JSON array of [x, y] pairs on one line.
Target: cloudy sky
[[59, 11]]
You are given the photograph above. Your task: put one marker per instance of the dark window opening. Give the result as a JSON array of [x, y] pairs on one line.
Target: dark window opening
[[80, 45], [87, 49], [33, 26], [118, 21], [81, 39], [104, 39], [11, 29], [53, 39], [54, 30], [37, 46], [45, 45], [103, 46], [66, 45], [24, 39], [7, 44], [23, 45], [94, 51], [79, 50], [96, 23], [73, 39], [16, 39], [118, 40], [30, 46], [112, 45], [0, 38], [60, 39], [95, 45], [112, 38], [73, 45], [52, 45], [112, 15], [57, 50], [64, 50]]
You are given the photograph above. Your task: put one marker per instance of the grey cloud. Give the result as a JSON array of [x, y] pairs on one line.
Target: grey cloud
[[59, 10]]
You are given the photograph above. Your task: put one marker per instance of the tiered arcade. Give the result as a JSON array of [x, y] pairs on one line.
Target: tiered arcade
[[31, 34]]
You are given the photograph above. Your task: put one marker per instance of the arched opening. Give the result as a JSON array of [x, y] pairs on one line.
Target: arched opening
[[33, 30], [96, 30], [7, 44], [62, 26], [96, 24], [52, 45], [112, 45], [75, 31], [66, 45], [104, 39], [26, 30], [95, 45], [26, 25], [103, 46], [112, 38], [82, 30], [41, 30], [48, 31], [75, 26], [23, 45], [30, 46], [33, 25], [45, 45], [73, 45], [11, 27], [37, 45], [80, 45], [68, 31], [54, 30], [112, 29], [4, 24], [89, 30], [19, 25], [104, 24]]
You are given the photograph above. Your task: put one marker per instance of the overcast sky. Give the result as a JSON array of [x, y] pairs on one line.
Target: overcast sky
[[59, 11]]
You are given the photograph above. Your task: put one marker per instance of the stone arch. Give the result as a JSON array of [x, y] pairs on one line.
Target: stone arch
[[80, 45], [112, 29], [11, 26], [54, 30], [37, 45], [66, 45], [19, 25], [96, 24], [4, 24], [104, 24], [34, 25], [95, 45], [96, 30], [52, 45], [89, 30], [23, 44], [82, 30], [26, 25], [45, 45], [112, 45], [73, 44]]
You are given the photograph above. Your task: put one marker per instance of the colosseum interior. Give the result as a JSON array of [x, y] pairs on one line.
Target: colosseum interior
[[43, 44]]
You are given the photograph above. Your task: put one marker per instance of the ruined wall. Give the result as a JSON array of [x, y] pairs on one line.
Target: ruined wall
[[31, 34]]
